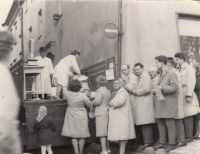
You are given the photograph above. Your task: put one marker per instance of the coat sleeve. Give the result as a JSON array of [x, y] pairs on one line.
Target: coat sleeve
[[191, 81], [146, 87], [98, 98], [87, 101], [121, 99], [75, 65], [35, 128], [173, 84], [51, 67]]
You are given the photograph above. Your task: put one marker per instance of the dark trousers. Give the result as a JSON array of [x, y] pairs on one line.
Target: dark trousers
[[147, 133], [167, 126], [180, 131], [188, 122], [196, 124], [155, 132]]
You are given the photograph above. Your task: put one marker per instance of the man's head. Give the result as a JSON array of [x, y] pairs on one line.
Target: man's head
[[152, 72], [138, 69], [171, 62], [6, 42], [76, 53], [43, 52], [125, 69], [179, 58], [161, 61]]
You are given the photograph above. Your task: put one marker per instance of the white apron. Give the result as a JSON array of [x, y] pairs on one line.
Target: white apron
[[47, 71]]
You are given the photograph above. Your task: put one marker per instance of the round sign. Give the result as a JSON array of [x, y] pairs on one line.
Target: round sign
[[111, 30]]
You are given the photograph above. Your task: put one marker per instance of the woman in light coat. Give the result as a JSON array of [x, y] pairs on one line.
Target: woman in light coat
[[190, 101], [101, 103], [121, 125]]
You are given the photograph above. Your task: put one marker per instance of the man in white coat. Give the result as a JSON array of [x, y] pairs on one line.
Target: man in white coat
[[180, 131], [9, 100], [143, 111], [47, 72], [63, 71], [190, 101]]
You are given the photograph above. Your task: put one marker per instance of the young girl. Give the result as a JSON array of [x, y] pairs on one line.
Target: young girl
[[44, 126]]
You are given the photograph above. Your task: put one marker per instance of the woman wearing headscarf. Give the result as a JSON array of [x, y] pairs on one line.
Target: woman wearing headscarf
[[76, 118], [101, 103], [121, 125], [44, 126]]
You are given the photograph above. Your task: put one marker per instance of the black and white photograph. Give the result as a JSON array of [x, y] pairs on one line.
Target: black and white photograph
[[99, 77]]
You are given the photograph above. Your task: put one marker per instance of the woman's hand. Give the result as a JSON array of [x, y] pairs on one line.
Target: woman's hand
[[112, 105]]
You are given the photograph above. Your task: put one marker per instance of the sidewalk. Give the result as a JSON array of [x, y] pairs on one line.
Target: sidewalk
[[191, 148]]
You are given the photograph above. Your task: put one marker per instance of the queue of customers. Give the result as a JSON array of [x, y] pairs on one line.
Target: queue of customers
[[134, 111]]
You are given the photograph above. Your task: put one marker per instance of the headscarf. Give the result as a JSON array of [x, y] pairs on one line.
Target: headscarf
[[42, 113], [121, 84]]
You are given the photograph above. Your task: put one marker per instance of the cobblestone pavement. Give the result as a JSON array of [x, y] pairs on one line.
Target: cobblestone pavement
[[191, 148]]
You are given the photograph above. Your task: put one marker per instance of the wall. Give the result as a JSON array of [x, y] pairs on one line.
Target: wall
[[31, 9], [81, 27], [150, 29]]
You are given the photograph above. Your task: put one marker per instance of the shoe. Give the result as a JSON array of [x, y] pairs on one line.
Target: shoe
[[159, 146], [189, 139], [109, 151], [145, 146], [197, 138], [181, 144], [170, 148]]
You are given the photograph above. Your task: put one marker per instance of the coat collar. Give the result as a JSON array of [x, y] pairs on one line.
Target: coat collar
[[165, 71], [184, 65]]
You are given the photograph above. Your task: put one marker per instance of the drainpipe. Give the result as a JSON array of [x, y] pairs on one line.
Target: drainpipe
[[119, 38], [22, 34]]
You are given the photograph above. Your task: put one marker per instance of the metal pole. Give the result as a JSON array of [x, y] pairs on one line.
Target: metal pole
[[119, 38]]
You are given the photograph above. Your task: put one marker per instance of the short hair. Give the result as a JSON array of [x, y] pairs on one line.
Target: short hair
[[171, 61], [74, 85], [162, 58], [75, 52], [127, 65], [180, 55], [138, 64]]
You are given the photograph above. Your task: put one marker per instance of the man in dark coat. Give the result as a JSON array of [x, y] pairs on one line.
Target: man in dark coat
[[166, 110]]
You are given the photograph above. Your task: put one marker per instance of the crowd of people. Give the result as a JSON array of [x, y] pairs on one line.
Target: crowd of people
[[161, 107], [158, 109]]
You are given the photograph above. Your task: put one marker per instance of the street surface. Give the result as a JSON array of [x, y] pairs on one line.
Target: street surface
[[191, 148]]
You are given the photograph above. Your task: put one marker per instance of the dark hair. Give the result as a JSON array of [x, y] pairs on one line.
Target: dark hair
[[139, 64], [162, 58], [180, 55], [127, 65], [42, 49], [171, 61], [74, 85], [75, 52]]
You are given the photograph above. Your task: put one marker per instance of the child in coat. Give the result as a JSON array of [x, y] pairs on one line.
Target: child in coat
[[44, 126]]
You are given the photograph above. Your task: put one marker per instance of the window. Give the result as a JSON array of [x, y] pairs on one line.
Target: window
[[40, 24]]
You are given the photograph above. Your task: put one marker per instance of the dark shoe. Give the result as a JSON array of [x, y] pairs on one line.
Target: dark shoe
[[188, 139], [134, 147], [197, 138], [180, 144], [159, 146], [170, 148], [145, 146]]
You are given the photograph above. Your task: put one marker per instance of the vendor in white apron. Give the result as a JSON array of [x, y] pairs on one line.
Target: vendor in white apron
[[47, 72], [63, 71]]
